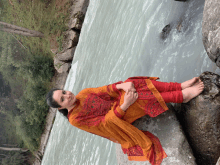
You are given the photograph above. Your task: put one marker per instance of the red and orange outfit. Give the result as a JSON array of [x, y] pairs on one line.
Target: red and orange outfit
[[98, 111]]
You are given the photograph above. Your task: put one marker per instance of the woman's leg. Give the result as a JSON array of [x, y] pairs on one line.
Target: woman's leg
[[173, 86], [172, 96], [189, 83], [193, 91], [185, 95], [166, 87]]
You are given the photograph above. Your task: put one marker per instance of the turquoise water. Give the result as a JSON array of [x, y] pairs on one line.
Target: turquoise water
[[120, 39]]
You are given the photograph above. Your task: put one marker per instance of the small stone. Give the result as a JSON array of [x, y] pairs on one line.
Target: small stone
[[66, 55], [54, 51], [179, 26], [75, 23], [61, 66], [165, 32], [70, 40], [79, 15]]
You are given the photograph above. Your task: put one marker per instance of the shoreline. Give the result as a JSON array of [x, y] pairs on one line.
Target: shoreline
[[58, 81]]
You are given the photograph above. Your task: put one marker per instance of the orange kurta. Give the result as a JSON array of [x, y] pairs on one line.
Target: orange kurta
[[98, 111]]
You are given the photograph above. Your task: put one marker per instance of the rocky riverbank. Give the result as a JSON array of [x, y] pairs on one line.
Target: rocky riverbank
[[62, 63]]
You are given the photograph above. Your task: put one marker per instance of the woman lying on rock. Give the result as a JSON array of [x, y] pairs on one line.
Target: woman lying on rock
[[108, 111]]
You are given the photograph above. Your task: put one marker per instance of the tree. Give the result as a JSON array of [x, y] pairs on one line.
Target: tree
[[6, 27], [13, 149], [10, 145]]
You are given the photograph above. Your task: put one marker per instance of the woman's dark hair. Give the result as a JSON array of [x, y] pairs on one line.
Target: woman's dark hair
[[52, 103]]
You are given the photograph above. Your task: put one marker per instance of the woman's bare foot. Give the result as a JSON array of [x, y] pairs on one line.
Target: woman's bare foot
[[193, 91], [189, 83]]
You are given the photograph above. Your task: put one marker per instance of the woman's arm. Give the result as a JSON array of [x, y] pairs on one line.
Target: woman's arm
[[110, 89], [126, 86], [114, 89]]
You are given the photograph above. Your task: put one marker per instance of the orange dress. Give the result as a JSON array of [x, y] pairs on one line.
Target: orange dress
[[98, 111]]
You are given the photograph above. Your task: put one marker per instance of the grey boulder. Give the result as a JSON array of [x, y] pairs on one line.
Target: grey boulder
[[168, 130], [211, 30], [200, 119], [66, 55]]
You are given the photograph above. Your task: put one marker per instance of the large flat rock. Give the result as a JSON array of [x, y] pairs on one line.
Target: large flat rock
[[168, 130]]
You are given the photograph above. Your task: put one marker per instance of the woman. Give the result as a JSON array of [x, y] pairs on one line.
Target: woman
[[108, 111]]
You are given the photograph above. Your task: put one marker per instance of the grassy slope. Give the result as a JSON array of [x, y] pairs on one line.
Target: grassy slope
[[48, 17]]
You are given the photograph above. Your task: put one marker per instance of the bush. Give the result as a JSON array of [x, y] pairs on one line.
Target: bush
[[40, 68], [16, 159]]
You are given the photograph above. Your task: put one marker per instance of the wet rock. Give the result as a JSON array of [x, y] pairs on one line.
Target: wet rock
[[200, 119], [165, 32], [70, 40], [211, 30], [66, 56], [179, 26], [168, 130]]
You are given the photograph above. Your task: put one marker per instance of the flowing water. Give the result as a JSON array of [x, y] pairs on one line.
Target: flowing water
[[120, 39]]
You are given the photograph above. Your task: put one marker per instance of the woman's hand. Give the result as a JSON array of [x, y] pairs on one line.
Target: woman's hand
[[129, 98], [126, 86]]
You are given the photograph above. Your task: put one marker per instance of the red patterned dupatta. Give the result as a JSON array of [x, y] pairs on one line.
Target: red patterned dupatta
[[155, 156], [153, 106]]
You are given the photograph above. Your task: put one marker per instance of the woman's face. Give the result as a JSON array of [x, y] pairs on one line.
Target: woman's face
[[64, 98]]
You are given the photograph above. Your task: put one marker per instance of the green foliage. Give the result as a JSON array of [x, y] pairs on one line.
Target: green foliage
[[60, 42], [39, 68], [28, 75], [26, 64], [16, 159], [39, 15], [8, 130], [30, 134], [32, 104]]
